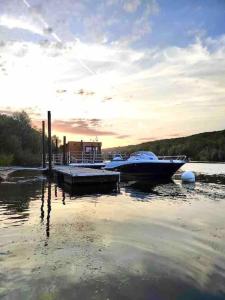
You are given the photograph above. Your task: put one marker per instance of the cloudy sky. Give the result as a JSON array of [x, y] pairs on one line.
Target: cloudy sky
[[126, 71]]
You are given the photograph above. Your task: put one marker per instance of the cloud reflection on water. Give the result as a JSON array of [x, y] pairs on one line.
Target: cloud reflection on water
[[144, 240]]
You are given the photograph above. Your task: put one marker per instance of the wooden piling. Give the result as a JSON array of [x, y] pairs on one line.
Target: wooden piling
[[64, 150], [49, 144], [43, 146], [56, 146]]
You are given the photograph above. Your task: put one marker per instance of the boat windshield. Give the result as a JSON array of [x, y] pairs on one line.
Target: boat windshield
[[117, 156], [145, 155]]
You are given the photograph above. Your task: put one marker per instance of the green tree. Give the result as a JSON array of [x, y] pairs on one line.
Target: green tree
[[20, 143]]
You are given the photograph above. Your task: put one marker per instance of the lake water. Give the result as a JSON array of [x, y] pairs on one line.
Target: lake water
[[142, 241]]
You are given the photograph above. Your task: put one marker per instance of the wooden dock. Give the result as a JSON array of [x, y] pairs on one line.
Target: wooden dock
[[75, 175]]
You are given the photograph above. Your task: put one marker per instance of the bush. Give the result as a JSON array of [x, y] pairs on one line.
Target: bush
[[6, 159]]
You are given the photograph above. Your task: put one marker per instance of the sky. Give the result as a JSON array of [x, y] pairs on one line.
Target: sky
[[120, 71]]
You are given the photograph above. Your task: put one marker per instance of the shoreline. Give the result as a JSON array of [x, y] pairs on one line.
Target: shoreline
[[6, 171], [206, 162]]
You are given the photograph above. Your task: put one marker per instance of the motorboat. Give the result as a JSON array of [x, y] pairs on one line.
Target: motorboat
[[148, 164]]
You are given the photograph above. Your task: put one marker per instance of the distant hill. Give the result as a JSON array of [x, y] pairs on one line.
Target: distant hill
[[207, 146]]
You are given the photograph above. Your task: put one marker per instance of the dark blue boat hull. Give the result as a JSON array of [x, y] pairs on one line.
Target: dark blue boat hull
[[154, 170]]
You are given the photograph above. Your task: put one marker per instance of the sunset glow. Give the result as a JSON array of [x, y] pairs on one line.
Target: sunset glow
[[118, 70]]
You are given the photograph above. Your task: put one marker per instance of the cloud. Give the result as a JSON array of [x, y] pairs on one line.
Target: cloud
[[107, 99], [59, 22], [131, 5], [33, 112], [124, 136], [175, 135], [111, 2], [95, 122], [87, 122], [82, 92], [23, 23], [48, 30], [152, 7], [95, 28], [186, 82], [146, 139], [61, 91], [7, 111], [142, 25], [81, 127], [166, 136]]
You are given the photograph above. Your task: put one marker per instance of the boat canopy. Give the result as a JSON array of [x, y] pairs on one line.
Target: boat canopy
[[143, 155]]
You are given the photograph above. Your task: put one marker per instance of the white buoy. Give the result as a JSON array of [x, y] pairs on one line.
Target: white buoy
[[188, 176]]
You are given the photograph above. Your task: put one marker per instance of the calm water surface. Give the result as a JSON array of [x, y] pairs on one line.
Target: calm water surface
[[144, 241]]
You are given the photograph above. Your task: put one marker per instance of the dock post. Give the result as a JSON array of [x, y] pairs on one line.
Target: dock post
[[68, 158], [49, 144], [56, 151], [64, 150], [56, 146], [43, 146]]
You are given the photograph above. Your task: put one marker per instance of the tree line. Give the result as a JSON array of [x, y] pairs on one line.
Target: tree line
[[20, 143]]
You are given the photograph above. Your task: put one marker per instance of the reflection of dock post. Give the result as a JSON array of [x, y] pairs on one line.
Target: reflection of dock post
[[49, 144], [63, 197], [43, 146], [42, 202], [64, 150], [56, 194], [118, 187], [48, 211]]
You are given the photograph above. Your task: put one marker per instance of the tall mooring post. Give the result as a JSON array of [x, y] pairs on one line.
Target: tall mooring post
[[43, 146], [49, 144], [64, 150], [56, 146]]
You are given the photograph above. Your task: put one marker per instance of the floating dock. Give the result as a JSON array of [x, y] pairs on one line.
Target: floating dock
[[88, 165], [76, 175]]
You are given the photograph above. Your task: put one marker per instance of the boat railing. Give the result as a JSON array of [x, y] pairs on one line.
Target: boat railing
[[57, 159], [112, 155], [93, 157], [174, 157], [82, 157], [124, 156], [76, 157]]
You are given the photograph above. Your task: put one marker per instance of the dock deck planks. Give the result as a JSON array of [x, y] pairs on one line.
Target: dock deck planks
[[74, 175]]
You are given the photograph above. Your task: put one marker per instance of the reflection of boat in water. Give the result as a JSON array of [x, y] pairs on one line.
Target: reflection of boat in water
[[146, 190], [148, 164]]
